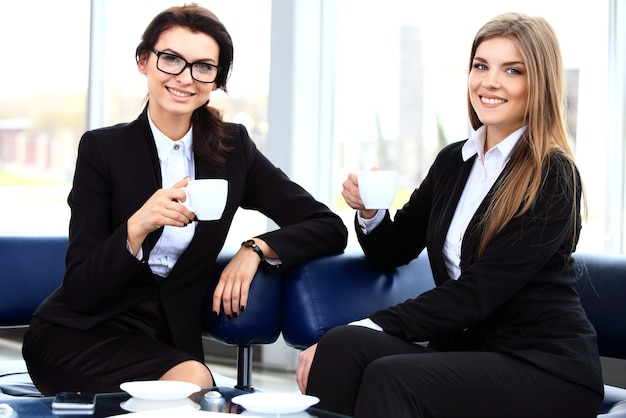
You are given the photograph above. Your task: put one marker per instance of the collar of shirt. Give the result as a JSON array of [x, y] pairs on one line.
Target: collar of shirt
[[476, 144], [165, 144]]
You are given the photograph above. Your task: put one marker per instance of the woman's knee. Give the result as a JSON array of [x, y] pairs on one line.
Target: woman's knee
[[190, 371], [340, 336], [382, 373], [383, 392], [351, 337]]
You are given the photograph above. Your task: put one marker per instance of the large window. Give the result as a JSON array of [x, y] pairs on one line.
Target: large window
[[42, 110], [47, 93], [344, 85], [400, 89]]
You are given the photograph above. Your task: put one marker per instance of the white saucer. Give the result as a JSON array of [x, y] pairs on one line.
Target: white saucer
[[159, 390], [141, 405], [275, 403], [302, 414], [178, 412]]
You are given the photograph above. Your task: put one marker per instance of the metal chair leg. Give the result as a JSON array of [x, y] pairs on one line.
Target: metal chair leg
[[244, 368]]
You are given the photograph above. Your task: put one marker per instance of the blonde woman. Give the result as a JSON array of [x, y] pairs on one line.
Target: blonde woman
[[500, 216]]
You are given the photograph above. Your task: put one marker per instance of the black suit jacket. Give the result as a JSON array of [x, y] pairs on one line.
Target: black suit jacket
[[117, 170], [518, 298]]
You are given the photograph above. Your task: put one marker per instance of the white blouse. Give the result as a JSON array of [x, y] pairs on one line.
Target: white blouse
[[174, 240]]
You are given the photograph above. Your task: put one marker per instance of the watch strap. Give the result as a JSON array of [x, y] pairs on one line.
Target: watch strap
[[251, 244]]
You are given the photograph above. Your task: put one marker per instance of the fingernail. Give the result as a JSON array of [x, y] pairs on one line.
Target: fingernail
[[235, 314], [243, 308], [216, 313], [229, 316]]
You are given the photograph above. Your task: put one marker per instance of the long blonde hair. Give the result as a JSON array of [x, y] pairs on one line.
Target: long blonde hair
[[517, 190]]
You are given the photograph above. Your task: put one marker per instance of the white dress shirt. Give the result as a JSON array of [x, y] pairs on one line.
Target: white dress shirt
[[173, 240], [485, 171]]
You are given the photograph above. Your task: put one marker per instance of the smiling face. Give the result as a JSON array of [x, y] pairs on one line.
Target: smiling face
[[498, 87], [173, 98]]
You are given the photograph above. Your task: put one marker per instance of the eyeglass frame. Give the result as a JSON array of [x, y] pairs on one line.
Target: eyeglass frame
[[187, 65]]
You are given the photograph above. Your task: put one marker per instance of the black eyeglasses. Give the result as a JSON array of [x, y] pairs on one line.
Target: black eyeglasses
[[174, 65]]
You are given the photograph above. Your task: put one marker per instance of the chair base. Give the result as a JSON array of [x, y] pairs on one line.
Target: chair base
[[244, 368]]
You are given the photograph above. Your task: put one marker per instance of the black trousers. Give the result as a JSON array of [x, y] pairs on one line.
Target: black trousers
[[365, 373]]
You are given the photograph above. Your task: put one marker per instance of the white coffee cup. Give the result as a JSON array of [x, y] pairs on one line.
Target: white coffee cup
[[206, 198], [377, 188]]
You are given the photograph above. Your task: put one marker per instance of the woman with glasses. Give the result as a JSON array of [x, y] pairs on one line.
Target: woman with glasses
[[503, 333], [138, 264]]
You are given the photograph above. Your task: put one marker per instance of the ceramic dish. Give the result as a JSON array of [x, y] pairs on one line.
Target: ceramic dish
[[275, 403], [140, 405], [159, 390]]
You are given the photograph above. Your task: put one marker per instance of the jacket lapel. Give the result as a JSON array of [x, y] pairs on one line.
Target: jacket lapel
[[458, 172], [154, 236]]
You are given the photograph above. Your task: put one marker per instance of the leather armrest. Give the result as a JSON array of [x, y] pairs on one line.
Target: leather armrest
[[334, 290], [259, 323]]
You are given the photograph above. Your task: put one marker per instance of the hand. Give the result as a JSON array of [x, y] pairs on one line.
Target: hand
[[234, 283], [305, 359], [162, 208], [352, 196]]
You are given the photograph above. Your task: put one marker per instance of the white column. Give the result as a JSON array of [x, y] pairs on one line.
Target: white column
[[615, 222], [301, 87], [95, 93], [300, 110]]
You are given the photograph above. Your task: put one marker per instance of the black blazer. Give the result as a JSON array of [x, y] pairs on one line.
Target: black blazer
[[518, 298], [117, 170]]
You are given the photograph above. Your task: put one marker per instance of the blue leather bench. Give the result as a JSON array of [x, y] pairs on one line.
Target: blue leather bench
[[31, 267], [323, 293], [306, 301]]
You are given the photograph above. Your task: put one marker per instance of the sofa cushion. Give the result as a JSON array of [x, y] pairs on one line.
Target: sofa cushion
[[602, 288], [32, 268], [320, 294]]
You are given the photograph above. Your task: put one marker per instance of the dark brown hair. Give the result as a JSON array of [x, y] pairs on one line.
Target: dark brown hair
[[210, 142]]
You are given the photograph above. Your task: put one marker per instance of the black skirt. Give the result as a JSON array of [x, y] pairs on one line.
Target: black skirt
[[134, 346]]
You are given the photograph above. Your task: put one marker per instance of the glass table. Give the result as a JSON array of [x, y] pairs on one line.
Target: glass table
[[111, 404]]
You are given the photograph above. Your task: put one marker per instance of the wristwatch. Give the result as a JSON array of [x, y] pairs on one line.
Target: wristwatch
[[251, 244]]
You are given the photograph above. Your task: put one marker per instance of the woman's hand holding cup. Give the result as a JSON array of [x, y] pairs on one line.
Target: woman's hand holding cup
[[369, 191]]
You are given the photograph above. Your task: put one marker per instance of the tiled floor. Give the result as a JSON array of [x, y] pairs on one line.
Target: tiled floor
[[262, 378]]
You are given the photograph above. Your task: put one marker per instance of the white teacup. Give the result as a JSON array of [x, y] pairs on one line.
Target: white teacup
[[206, 198], [377, 188]]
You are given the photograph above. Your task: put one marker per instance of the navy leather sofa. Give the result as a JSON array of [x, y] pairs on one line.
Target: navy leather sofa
[[305, 302], [330, 291], [31, 267]]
